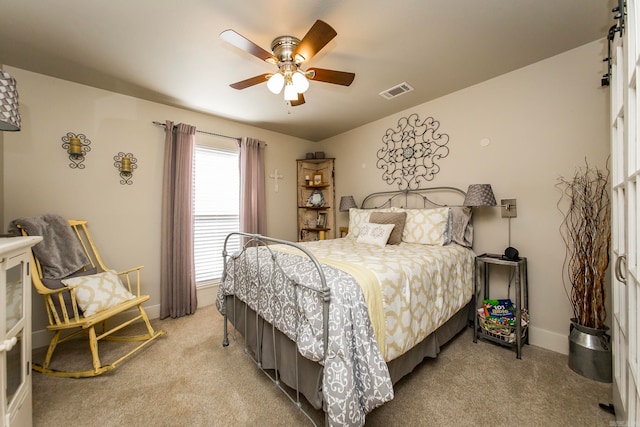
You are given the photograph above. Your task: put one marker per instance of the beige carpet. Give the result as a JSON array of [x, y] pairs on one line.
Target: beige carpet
[[186, 378]]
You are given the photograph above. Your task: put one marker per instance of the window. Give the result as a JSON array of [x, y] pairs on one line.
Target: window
[[216, 206]]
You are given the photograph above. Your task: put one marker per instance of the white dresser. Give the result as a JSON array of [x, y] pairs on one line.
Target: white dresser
[[15, 330]]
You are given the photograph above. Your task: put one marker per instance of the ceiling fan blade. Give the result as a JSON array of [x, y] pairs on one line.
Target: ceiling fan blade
[[316, 38], [331, 76], [298, 101], [262, 78], [245, 44]]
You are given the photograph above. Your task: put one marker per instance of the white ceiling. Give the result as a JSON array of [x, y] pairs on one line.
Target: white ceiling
[[170, 52]]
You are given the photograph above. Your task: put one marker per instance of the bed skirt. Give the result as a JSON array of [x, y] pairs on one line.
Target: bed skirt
[[310, 378]]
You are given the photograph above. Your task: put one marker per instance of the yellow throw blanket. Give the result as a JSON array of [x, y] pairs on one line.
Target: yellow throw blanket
[[370, 286]]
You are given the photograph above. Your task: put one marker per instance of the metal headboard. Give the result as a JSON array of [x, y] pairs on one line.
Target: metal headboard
[[421, 196]]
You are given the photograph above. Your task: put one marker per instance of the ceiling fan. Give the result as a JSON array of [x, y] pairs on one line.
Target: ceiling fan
[[288, 53]]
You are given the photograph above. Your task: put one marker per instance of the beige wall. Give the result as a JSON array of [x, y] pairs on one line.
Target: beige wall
[[124, 219], [543, 121]]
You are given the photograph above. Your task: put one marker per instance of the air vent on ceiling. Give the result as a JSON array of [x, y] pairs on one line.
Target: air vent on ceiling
[[397, 90]]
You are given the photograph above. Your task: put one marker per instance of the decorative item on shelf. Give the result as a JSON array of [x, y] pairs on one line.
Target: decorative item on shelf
[[586, 232], [410, 152], [346, 203], [316, 199], [322, 220], [77, 146], [9, 112], [319, 154], [307, 180], [317, 178], [310, 156], [125, 163]]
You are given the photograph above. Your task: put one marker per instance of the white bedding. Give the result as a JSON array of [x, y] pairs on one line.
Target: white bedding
[[421, 286]]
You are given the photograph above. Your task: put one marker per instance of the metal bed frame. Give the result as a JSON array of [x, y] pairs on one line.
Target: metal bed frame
[[420, 195], [256, 240], [253, 240]]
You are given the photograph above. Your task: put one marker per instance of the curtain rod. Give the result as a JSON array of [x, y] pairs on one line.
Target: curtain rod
[[202, 131]]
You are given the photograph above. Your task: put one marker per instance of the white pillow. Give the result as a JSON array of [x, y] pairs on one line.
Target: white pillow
[[98, 292], [360, 217], [427, 226], [375, 234]]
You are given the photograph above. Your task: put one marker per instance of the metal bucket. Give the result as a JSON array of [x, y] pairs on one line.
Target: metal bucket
[[590, 352]]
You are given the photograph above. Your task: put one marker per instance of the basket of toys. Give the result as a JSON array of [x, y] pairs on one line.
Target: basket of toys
[[497, 320]]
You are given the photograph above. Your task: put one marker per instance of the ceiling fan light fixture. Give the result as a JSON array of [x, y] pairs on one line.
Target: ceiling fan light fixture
[[288, 53], [300, 82], [290, 93], [275, 83]]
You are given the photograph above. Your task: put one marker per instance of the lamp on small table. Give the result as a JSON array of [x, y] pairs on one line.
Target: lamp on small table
[[482, 195], [346, 203]]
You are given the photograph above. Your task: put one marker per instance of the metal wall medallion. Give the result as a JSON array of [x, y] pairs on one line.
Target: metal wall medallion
[[410, 152]]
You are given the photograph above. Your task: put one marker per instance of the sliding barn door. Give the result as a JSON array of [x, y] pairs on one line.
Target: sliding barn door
[[625, 151]]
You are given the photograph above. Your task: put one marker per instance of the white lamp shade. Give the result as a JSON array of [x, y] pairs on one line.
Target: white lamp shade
[[9, 113], [300, 82], [290, 93], [275, 83]]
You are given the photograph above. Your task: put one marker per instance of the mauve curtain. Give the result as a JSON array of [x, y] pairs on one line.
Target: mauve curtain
[[253, 218], [177, 275]]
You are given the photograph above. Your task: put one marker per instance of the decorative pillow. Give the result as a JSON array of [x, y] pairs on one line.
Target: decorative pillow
[[461, 227], [98, 292], [360, 217], [375, 234], [57, 284], [396, 218], [427, 226]]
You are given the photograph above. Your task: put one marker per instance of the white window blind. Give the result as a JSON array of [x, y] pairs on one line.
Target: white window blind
[[216, 206]]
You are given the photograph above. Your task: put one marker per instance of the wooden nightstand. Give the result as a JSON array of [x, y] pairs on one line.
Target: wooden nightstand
[[344, 231]]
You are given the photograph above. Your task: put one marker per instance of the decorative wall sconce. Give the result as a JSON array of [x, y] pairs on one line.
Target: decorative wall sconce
[[479, 195], [77, 146], [125, 163]]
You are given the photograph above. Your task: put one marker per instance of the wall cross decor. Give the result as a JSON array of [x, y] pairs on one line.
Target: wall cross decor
[[275, 176], [410, 152]]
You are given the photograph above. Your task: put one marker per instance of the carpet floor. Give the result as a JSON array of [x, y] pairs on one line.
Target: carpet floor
[[186, 378]]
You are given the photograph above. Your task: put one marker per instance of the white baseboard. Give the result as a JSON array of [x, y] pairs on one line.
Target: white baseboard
[[549, 340], [206, 296]]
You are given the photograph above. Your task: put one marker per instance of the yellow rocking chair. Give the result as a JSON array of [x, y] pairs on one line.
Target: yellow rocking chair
[[66, 319]]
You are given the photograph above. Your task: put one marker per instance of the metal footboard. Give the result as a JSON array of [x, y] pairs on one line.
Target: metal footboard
[[322, 291]]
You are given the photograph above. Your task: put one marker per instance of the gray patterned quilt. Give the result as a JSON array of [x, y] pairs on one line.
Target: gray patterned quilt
[[355, 377]]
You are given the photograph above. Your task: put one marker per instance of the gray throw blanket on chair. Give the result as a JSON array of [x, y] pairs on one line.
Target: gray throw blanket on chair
[[59, 252]]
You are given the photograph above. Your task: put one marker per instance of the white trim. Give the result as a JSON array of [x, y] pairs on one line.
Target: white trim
[[549, 340]]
